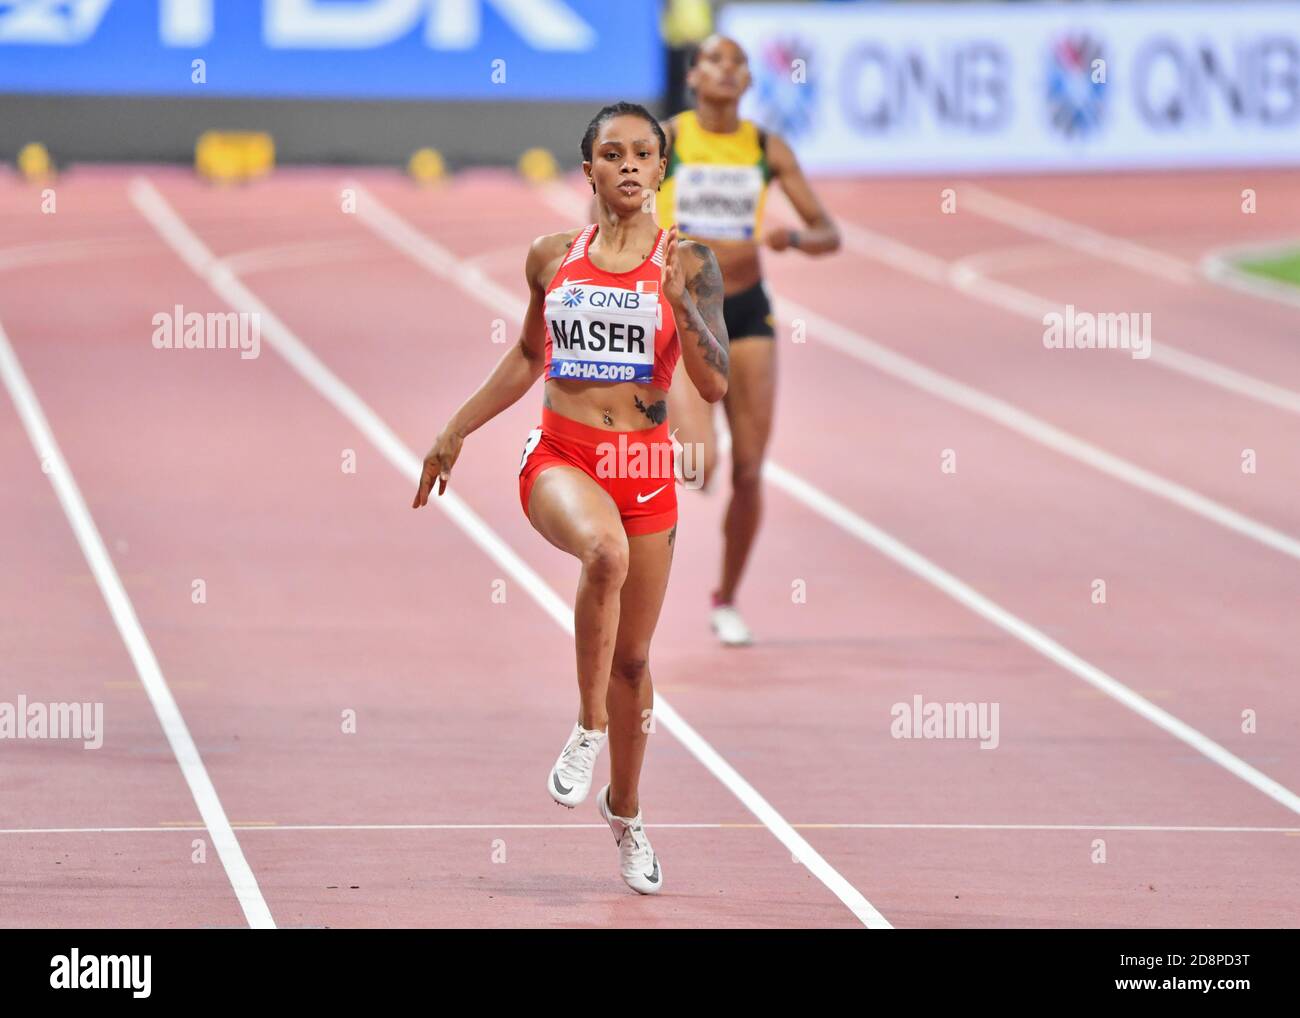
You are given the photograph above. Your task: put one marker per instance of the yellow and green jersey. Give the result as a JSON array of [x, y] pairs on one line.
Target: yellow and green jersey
[[716, 183]]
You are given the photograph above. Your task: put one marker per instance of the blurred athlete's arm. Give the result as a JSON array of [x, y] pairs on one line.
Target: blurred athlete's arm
[[820, 234]]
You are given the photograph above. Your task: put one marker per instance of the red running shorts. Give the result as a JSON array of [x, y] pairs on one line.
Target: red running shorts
[[634, 467]]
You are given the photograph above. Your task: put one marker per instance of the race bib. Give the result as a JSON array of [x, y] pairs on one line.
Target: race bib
[[602, 333], [720, 202]]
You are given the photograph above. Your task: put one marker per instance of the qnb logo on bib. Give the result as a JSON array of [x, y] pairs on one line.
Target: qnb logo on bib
[[719, 201], [602, 333]]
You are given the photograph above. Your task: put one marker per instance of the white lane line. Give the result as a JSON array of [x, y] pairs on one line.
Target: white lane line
[[1035, 221], [256, 260], [283, 256], [823, 330], [717, 826], [1230, 380], [1019, 256], [921, 264], [505, 257], [1040, 431], [1219, 266], [13, 258], [962, 276], [967, 596], [965, 278], [428, 253], [192, 250], [137, 644]]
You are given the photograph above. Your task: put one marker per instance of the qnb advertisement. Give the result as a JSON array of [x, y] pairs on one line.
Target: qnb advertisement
[[367, 49], [866, 88]]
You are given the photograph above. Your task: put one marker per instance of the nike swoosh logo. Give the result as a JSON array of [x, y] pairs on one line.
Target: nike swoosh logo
[[571, 282], [555, 780], [653, 875], [647, 498]]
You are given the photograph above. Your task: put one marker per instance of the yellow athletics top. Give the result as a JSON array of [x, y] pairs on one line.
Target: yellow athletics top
[[716, 183]]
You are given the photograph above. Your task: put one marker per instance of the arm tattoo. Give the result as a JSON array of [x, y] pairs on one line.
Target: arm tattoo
[[657, 412], [703, 320]]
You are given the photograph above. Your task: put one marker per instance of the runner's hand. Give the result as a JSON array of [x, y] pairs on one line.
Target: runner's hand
[[673, 278], [437, 466], [779, 239]]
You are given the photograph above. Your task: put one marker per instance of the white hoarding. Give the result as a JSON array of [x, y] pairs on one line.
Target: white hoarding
[[1010, 86]]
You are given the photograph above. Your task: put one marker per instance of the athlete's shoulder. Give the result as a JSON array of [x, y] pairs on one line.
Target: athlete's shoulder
[[778, 151], [700, 259], [551, 245], [695, 248], [758, 131], [548, 248]]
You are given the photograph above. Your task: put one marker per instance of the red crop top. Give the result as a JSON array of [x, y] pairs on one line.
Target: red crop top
[[610, 326]]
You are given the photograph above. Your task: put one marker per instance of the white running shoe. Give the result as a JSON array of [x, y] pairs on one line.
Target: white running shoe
[[570, 778], [636, 859], [730, 627]]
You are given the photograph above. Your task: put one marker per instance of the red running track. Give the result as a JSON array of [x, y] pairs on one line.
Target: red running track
[[328, 599]]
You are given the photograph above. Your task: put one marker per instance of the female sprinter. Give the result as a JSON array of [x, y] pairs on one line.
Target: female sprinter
[[718, 170], [613, 306]]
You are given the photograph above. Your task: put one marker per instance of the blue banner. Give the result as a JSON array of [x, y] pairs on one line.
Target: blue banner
[[337, 49]]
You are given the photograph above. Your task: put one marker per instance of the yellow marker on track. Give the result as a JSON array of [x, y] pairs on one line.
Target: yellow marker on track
[[34, 163], [426, 166], [234, 157], [537, 166]]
